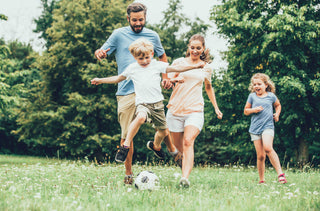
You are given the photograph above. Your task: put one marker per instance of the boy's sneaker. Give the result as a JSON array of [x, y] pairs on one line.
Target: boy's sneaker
[[178, 159], [184, 182], [128, 179], [122, 154], [159, 154]]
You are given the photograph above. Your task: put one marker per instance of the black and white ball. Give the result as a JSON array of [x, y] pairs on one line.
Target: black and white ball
[[147, 180]]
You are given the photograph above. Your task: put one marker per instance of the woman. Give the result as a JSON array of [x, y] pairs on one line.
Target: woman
[[185, 116]]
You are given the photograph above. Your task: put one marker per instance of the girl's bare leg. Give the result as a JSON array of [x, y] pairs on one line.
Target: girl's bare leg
[[273, 156], [261, 158]]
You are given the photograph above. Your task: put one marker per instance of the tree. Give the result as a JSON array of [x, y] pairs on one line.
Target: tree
[[69, 114], [281, 39], [3, 17], [16, 79], [176, 28], [45, 20]]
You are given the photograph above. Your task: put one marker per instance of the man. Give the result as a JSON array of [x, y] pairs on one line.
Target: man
[[119, 42]]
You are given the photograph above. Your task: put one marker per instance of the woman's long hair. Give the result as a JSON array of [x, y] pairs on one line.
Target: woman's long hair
[[205, 56]]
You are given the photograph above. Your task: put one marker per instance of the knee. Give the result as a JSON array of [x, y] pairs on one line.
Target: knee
[[261, 157], [187, 142], [268, 150], [140, 118]]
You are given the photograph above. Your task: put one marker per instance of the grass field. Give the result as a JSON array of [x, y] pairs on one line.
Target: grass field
[[29, 183]]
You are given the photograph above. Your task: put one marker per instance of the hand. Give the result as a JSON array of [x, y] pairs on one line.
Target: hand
[[178, 79], [101, 54], [166, 83], [276, 117], [95, 81], [219, 113], [258, 109], [200, 64]]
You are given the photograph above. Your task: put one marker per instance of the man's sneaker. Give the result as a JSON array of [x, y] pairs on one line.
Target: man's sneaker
[[122, 154], [159, 154], [128, 179], [184, 182], [178, 159]]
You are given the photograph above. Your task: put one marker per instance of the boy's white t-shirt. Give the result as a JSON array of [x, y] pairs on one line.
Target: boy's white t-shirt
[[146, 80]]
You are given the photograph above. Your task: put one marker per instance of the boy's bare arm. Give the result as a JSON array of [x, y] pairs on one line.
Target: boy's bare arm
[[166, 82], [182, 68], [108, 80]]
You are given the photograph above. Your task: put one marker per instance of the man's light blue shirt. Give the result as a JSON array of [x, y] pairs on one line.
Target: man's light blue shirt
[[119, 42]]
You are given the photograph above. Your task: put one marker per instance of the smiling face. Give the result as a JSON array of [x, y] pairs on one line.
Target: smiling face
[[137, 20], [195, 48], [144, 60], [259, 87]]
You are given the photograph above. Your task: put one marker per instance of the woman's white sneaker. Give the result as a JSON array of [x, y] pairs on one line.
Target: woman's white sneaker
[[184, 182]]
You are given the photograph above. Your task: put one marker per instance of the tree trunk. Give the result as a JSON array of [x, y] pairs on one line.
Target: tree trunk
[[303, 152]]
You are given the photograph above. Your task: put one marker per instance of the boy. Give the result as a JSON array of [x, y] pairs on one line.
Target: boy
[[145, 74]]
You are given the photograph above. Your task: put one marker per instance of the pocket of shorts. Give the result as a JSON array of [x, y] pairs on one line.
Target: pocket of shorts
[[159, 106]]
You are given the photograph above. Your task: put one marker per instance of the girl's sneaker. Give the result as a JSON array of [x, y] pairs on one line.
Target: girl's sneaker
[[282, 179]]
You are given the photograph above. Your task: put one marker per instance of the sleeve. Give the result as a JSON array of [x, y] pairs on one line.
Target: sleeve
[[111, 43], [207, 73], [162, 66], [274, 98], [158, 48], [127, 73], [178, 61], [250, 99], [175, 62]]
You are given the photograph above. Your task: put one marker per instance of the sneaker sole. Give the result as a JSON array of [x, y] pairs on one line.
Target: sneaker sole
[[153, 151], [119, 161]]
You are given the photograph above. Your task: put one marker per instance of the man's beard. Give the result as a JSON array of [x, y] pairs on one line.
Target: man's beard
[[137, 30]]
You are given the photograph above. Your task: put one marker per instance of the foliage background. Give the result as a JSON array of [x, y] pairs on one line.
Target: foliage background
[[49, 108]]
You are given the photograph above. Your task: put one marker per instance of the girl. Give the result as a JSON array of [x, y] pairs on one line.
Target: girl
[[260, 105], [185, 116]]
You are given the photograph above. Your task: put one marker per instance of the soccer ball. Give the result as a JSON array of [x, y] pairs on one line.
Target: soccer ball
[[147, 180]]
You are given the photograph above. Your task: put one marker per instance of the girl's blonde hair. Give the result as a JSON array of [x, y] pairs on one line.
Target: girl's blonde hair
[[141, 47], [265, 79], [205, 56]]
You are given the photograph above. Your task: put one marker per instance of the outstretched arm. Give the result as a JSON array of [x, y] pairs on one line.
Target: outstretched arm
[[212, 97], [108, 80], [182, 68]]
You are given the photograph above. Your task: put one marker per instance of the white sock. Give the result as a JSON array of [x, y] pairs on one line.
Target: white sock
[[174, 152]]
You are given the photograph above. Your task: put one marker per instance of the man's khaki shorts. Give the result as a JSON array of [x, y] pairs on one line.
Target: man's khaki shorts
[[126, 112]]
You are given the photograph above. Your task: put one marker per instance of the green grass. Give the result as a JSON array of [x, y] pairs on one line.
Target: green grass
[[28, 183]]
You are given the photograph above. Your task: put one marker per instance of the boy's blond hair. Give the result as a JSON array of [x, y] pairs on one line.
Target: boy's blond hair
[[141, 47]]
